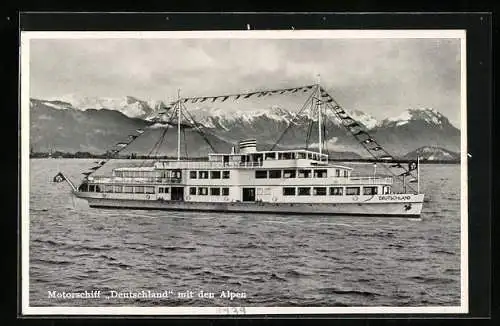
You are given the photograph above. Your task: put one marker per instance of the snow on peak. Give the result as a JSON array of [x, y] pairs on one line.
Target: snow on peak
[[128, 105], [367, 120], [429, 115]]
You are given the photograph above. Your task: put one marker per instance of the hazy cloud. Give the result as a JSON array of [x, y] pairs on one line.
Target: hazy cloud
[[379, 76]]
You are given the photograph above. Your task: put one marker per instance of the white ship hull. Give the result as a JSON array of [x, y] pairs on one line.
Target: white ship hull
[[395, 208]]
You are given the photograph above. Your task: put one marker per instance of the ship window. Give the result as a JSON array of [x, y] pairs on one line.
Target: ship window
[[139, 190], [83, 187], [203, 174], [304, 173], [118, 173], [225, 174], [203, 191], [97, 188], [271, 155], [346, 174], [335, 191], [225, 191], [118, 189], [320, 173], [214, 174], [387, 190], [160, 190], [309, 155], [319, 191], [192, 174], [369, 190], [108, 188], [301, 155], [304, 191], [349, 191], [287, 156], [260, 174], [176, 174], [166, 190], [128, 189], [289, 191], [192, 190], [275, 174], [337, 172], [215, 191], [289, 174], [149, 190]]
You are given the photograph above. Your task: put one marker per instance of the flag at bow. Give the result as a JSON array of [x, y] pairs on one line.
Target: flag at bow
[[59, 177], [412, 165]]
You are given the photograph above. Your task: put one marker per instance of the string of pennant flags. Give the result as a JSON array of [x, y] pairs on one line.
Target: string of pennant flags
[[118, 147], [222, 98], [356, 129], [363, 137], [237, 96]]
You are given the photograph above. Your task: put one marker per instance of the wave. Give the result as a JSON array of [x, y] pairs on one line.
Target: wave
[[347, 292], [51, 262], [430, 279]]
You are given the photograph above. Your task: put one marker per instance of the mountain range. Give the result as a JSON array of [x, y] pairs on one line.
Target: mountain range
[[95, 124]]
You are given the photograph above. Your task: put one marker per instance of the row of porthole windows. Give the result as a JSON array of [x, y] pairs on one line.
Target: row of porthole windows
[[333, 191], [204, 191], [206, 174]]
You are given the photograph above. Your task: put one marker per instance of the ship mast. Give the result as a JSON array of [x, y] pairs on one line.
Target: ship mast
[[320, 141], [178, 125]]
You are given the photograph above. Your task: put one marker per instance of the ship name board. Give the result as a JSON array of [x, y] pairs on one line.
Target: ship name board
[[394, 197]]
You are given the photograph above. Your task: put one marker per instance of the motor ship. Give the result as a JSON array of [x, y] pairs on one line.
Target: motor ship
[[252, 180]]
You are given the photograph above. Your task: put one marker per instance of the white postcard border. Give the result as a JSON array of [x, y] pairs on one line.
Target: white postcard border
[[27, 36]]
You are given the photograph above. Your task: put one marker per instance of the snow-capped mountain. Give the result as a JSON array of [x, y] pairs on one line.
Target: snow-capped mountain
[[431, 153], [416, 128], [130, 106], [217, 118], [427, 115], [413, 128]]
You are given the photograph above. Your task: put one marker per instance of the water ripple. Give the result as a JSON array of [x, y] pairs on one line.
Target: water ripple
[[275, 260]]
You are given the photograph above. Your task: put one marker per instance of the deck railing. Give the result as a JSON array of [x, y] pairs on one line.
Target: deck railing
[[370, 180], [118, 180], [209, 165]]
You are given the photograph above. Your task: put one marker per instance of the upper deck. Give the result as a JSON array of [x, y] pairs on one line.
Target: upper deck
[[249, 160]]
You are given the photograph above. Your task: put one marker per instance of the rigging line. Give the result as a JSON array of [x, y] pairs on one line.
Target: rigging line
[[162, 138], [198, 129], [311, 125], [324, 136], [291, 122], [185, 142], [248, 93], [162, 135], [383, 165], [309, 132], [106, 160]]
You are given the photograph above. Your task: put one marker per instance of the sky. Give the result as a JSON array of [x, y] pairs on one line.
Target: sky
[[382, 77]]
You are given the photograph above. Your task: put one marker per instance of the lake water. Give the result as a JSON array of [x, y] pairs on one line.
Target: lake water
[[272, 260]]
